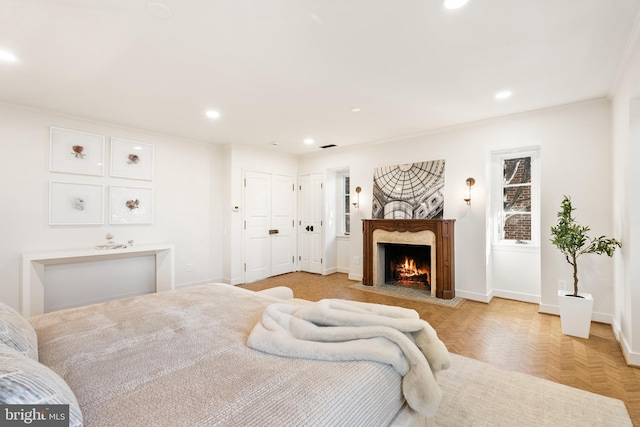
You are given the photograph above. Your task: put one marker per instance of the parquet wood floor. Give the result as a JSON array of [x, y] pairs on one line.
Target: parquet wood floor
[[505, 333]]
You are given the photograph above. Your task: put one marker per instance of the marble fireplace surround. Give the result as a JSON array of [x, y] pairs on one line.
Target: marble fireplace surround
[[437, 233]]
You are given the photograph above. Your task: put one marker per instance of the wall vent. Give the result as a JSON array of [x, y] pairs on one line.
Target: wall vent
[[328, 146]]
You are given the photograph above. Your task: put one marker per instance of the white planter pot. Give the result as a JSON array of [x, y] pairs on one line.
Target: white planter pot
[[575, 313]]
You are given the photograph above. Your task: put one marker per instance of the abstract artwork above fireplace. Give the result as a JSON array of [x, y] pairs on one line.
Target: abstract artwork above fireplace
[[409, 191]]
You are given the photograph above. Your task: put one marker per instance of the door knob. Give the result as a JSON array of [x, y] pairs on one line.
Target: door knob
[[311, 228], [307, 228]]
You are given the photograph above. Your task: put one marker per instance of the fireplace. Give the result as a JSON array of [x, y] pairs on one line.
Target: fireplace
[[431, 241], [407, 265]]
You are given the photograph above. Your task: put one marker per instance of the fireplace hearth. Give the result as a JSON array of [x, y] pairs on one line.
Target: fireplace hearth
[[435, 272]]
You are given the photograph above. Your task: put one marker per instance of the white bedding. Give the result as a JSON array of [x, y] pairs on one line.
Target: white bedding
[[342, 330], [180, 359]]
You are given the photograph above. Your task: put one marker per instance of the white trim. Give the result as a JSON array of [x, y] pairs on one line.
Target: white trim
[[595, 317], [329, 271], [516, 247], [340, 205], [516, 296], [496, 158], [632, 359], [475, 296]]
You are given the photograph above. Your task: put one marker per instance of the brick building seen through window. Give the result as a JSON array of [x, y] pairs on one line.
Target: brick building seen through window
[[516, 209]]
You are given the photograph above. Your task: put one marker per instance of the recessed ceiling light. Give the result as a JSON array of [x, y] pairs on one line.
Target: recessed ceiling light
[[454, 4], [6, 56], [159, 10], [355, 109], [309, 141], [213, 114], [503, 94]]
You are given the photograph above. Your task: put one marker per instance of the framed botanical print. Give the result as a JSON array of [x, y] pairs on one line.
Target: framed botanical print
[[131, 159], [131, 205], [76, 152], [75, 204]]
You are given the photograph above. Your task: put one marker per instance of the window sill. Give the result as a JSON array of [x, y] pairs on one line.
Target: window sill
[[516, 247]]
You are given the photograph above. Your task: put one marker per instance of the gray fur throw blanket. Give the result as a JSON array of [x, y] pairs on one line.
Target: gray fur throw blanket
[[342, 330]]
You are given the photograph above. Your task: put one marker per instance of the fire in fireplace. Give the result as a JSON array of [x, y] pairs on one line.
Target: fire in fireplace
[[408, 265]]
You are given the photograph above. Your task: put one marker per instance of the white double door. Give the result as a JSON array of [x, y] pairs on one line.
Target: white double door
[[310, 223], [269, 225]]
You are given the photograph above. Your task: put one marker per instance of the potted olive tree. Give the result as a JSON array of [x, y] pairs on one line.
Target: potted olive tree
[[572, 240]]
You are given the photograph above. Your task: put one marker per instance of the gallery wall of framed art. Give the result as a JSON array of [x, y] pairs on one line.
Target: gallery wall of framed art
[[84, 201]]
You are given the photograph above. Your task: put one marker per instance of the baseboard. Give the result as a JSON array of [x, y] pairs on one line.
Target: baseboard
[[330, 271], [343, 270], [632, 359], [549, 309], [517, 296], [496, 293], [595, 317], [355, 277], [474, 296]]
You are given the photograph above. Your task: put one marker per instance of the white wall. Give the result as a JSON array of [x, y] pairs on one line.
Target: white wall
[[626, 207], [575, 160], [343, 254], [182, 190], [515, 273], [196, 185]]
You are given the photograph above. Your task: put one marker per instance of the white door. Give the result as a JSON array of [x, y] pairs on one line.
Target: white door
[[310, 231], [269, 246], [282, 225]]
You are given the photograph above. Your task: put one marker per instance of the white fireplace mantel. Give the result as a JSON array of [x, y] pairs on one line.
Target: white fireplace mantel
[[33, 266]]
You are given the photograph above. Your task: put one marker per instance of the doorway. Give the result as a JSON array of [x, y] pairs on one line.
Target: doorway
[[269, 225], [310, 222]]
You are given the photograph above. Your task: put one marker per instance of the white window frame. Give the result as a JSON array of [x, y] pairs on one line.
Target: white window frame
[[342, 211], [497, 205]]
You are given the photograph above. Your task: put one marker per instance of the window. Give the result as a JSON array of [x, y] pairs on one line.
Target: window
[[516, 199], [346, 206], [515, 209]]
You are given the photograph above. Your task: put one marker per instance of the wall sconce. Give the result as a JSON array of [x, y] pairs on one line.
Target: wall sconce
[[356, 204], [467, 192]]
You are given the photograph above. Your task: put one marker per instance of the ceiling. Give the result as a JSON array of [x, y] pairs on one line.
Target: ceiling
[[280, 71]]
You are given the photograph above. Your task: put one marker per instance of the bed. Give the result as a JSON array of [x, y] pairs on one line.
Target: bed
[[180, 358]]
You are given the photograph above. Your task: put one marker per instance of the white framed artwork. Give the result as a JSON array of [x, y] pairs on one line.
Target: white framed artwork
[[75, 204], [76, 152], [131, 159], [131, 205]]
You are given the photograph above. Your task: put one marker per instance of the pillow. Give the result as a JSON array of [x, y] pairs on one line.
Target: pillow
[[17, 333], [281, 292], [24, 381]]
